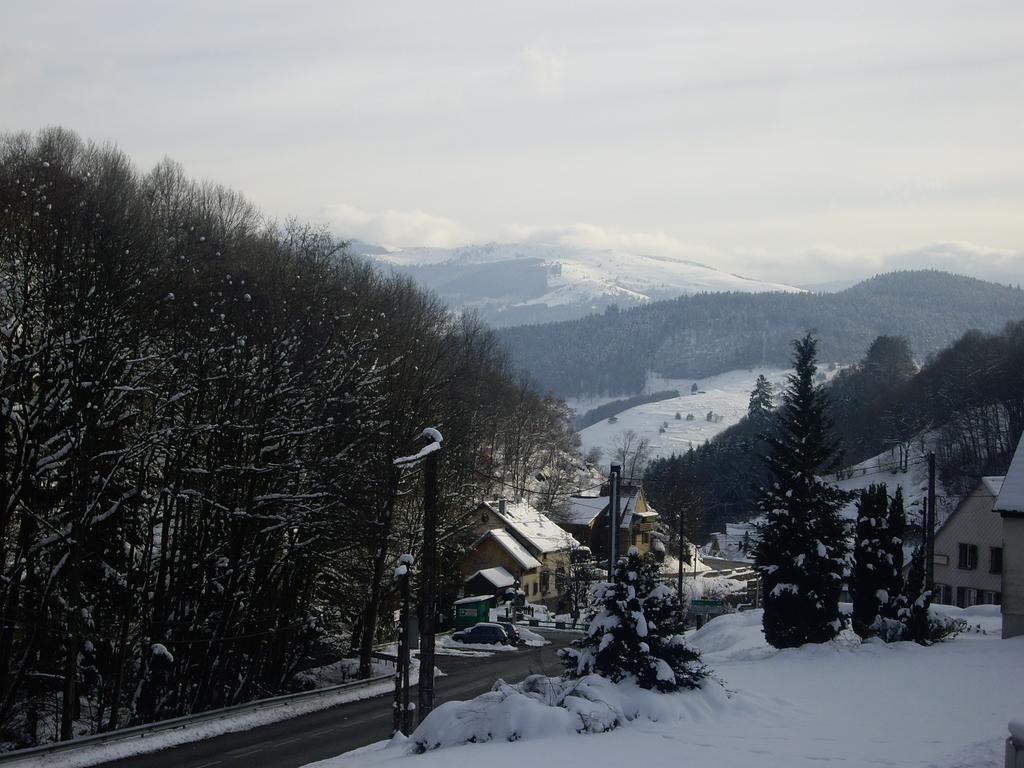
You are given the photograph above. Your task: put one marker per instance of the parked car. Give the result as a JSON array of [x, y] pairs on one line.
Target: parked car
[[484, 633], [511, 631]]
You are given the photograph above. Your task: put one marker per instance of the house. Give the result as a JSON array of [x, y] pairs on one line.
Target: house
[[528, 545], [1010, 507], [735, 543], [969, 550], [490, 581], [586, 518]]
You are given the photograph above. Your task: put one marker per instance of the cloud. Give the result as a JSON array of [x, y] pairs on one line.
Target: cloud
[[583, 235], [545, 71], [965, 258], [831, 263], [395, 228]]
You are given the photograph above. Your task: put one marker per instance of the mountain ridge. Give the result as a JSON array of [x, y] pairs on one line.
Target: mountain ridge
[[516, 283], [705, 334]]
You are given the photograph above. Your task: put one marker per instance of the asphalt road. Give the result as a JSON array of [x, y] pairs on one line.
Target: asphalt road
[[329, 732]]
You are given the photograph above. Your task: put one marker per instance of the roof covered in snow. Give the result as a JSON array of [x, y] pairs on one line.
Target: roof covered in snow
[[993, 484], [582, 510], [533, 526], [473, 599], [498, 576], [518, 552], [1011, 495]]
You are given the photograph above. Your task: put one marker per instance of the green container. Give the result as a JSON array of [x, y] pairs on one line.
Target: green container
[[472, 610]]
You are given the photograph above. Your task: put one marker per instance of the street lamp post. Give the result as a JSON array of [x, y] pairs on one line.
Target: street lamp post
[[428, 572]]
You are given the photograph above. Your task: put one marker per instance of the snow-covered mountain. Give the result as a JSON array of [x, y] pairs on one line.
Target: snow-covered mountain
[[515, 283]]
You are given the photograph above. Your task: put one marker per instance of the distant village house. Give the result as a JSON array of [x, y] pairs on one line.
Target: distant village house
[[517, 541]]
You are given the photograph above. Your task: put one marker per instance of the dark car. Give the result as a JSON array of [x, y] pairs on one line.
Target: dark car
[[484, 633], [511, 631]]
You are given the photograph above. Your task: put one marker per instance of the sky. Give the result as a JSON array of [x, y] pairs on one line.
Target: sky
[[792, 141]]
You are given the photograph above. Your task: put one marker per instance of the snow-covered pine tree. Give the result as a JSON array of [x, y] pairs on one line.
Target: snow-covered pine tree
[[868, 580], [893, 560], [759, 409], [802, 552], [914, 614], [636, 631]]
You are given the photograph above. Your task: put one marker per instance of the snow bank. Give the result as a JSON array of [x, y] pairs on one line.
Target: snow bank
[[897, 704], [343, 671], [543, 707], [447, 643], [732, 637], [531, 638]]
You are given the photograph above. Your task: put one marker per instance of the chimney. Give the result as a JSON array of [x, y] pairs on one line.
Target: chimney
[[501, 505]]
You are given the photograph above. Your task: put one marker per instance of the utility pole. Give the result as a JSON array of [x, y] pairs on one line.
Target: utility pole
[[613, 518], [428, 574], [427, 595], [402, 715], [930, 527], [682, 550]]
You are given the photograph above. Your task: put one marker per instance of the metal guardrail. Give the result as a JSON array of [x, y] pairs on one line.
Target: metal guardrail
[[139, 731]]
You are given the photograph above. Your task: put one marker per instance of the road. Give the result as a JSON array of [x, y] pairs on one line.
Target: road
[[329, 732]]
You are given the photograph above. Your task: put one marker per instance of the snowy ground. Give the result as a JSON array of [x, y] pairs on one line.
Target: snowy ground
[[343, 671], [726, 395], [884, 469], [843, 704]]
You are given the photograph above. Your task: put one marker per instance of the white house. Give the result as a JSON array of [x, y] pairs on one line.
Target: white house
[[1010, 507], [969, 550]]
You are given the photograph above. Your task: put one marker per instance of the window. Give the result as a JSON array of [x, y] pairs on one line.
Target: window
[[535, 587], [943, 594], [545, 580], [992, 598], [968, 557], [966, 597], [995, 559]]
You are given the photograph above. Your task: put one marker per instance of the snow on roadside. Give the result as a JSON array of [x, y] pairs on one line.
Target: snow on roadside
[[447, 643], [531, 638], [102, 753], [343, 671], [854, 704]]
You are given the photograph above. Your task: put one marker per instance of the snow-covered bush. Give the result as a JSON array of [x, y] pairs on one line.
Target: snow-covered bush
[[542, 707], [635, 630]]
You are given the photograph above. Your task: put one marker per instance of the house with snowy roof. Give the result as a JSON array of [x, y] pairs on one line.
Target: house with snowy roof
[[519, 541], [1009, 505], [736, 543], [586, 518], [969, 550]]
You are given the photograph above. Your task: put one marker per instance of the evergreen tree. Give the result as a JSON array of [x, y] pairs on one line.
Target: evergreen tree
[[869, 580], [914, 614], [893, 561], [759, 409], [636, 630], [802, 552]]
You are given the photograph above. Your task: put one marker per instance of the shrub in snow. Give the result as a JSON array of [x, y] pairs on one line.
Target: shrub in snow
[[635, 630], [802, 552], [541, 707]]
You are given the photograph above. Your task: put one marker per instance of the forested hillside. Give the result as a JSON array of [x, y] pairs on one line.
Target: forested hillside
[[199, 416], [969, 397], [699, 336]]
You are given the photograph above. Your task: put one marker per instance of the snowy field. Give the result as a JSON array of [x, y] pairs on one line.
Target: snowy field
[[726, 396], [843, 703]]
